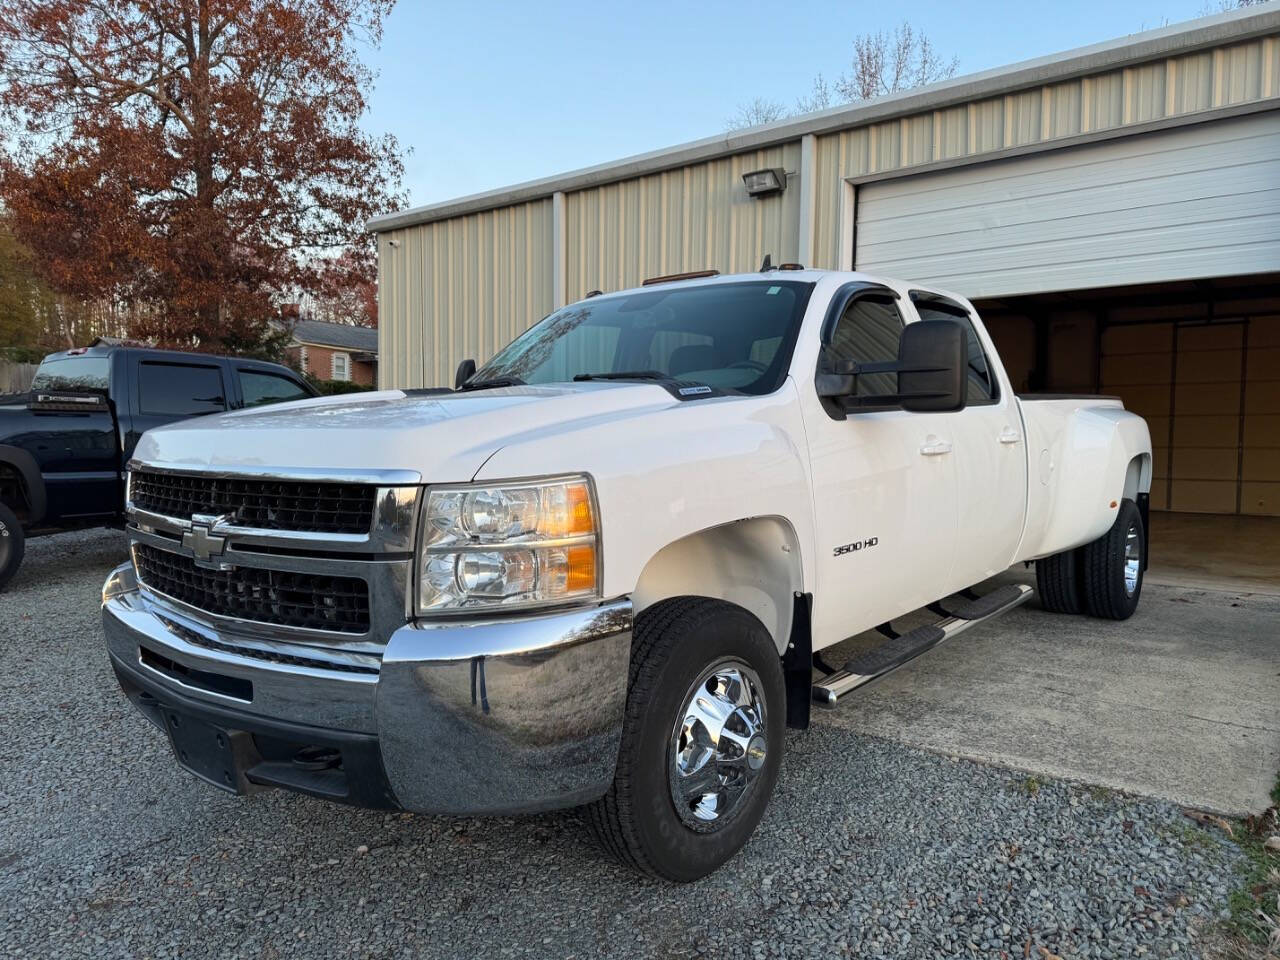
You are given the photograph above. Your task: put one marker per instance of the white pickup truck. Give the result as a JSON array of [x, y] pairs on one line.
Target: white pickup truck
[[606, 570]]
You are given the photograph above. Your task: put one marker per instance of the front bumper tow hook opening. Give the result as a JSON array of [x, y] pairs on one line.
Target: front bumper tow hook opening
[[317, 758]]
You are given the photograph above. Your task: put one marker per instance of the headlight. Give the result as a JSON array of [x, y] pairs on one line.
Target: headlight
[[521, 544]]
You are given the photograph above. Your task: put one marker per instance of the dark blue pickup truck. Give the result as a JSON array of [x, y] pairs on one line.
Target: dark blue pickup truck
[[64, 444]]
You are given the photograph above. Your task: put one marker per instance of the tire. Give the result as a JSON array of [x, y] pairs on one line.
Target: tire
[[1058, 582], [1107, 592], [639, 820], [12, 545]]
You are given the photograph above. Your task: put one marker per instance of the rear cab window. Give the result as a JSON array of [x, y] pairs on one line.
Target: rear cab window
[[73, 374]]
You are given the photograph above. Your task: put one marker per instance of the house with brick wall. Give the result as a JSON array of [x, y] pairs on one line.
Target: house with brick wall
[[335, 351]]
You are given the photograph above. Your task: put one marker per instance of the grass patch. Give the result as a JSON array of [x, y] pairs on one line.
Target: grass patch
[[1255, 905], [1031, 785], [1194, 838]]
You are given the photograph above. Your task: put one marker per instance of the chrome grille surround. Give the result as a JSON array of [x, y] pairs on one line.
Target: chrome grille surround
[[380, 558]]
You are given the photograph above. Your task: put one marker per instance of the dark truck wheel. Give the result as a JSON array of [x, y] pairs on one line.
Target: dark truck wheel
[[701, 740], [12, 545], [1112, 566], [1058, 582]]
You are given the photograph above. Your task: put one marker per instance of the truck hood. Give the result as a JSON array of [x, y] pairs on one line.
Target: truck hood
[[446, 436]]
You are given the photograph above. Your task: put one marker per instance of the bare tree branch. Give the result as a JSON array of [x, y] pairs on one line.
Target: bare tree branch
[[882, 63]]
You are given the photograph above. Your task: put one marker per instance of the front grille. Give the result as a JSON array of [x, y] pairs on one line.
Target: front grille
[[269, 504], [250, 593]]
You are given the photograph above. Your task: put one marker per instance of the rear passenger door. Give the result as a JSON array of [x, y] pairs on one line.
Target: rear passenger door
[[989, 452], [166, 390]]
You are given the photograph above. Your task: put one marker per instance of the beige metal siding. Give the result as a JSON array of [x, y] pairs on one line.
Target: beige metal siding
[[1175, 87], [693, 218], [460, 288]]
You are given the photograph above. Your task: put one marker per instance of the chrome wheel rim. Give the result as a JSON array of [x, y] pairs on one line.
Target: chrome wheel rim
[[1132, 559], [718, 745]]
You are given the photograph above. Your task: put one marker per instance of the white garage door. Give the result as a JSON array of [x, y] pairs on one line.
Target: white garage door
[[1201, 201]]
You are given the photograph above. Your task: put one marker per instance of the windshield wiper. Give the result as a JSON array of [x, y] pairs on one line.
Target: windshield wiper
[[624, 375], [494, 382]]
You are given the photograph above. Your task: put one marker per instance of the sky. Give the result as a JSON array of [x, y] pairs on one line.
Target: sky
[[485, 95]]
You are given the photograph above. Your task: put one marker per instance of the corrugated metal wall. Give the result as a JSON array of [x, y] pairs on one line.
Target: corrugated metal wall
[[694, 218], [1175, 87], [460, 288]]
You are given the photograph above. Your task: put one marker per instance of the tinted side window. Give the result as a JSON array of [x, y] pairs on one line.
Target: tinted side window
[[261, 388], [868, 332], [981, 379], [179, 389]]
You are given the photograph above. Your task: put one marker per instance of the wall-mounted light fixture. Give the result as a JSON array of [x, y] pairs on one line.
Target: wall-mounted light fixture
[[762, 183]]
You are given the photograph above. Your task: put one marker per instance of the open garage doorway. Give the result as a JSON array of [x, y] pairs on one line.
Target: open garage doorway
[[1200, 360]]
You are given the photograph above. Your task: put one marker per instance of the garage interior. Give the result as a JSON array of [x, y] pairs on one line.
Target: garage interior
[[1200, 360]]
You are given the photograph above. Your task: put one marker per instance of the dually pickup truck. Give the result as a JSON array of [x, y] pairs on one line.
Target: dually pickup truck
[[608, 568], [64, 444]]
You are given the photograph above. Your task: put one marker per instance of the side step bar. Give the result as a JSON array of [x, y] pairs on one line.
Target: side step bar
[[892, 654]]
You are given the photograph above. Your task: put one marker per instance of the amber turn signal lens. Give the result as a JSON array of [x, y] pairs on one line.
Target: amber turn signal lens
[[569, 513], [582, 568]]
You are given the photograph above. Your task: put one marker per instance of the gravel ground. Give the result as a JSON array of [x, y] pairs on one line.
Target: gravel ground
[[868, 849]]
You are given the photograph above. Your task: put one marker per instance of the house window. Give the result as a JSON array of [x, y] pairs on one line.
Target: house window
[[341, 366]]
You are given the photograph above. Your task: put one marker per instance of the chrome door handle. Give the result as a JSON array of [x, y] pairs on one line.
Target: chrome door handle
[[1009, 435], [933, 447]]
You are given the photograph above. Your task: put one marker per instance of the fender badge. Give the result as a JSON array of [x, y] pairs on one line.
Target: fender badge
[[693, 391], [854, 547]]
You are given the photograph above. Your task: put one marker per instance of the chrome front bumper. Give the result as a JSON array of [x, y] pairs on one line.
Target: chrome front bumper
[[496, 716]]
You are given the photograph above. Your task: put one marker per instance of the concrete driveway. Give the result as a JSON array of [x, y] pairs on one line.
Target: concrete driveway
[[1180, 702]]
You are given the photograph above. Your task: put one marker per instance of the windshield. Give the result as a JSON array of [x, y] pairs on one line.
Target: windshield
[[72, 373], [736, 337]]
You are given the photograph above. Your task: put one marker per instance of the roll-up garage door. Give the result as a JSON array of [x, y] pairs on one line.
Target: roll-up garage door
[[1199, 201]]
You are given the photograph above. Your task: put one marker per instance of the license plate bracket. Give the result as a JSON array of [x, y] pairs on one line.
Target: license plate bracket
[[214, 754]]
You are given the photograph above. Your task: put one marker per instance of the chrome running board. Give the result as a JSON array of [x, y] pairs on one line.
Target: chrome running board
[[901, 650]]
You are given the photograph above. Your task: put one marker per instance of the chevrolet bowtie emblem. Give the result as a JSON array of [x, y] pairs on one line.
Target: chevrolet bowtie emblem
[[201, 541]]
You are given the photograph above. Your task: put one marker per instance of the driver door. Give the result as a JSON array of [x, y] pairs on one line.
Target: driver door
[[884, 486]]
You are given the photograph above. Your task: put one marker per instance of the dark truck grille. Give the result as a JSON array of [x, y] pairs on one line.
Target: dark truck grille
[[250, 593], [269, 504]]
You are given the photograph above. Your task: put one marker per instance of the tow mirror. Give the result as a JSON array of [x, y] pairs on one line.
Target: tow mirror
[[465, 370], [930, 369], [931, 366]]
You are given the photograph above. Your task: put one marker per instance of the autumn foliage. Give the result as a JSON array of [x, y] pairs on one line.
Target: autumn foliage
[[199, 160]]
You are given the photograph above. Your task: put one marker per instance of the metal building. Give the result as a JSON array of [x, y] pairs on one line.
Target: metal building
[[1114, 211]]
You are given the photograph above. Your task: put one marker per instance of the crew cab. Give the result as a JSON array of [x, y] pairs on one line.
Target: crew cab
[[64, 444], [612, 565]]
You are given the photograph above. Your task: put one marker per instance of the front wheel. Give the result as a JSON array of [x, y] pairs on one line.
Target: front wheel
[[12, 544], [701, 740], [1113, 565]]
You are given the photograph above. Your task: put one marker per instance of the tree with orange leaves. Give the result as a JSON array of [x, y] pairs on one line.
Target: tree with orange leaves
[[199, 160]]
